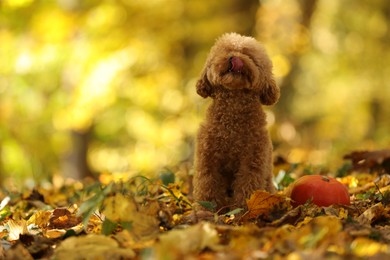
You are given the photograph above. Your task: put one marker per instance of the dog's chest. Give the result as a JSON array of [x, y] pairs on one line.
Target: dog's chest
[[233, 131], [237, 119]]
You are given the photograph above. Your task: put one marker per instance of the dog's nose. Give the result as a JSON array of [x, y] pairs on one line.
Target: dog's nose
[[236, 64]]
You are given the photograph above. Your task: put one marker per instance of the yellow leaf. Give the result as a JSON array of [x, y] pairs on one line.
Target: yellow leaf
[[94, 224], [40, 219], [305, 221], [364, 247], [144, 226], [262, 202], [128, 240], [178, 244], [92, 247], [318, 231], [119, 208], [54, 233]]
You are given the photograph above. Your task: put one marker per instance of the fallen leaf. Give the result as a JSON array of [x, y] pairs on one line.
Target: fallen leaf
[[262, 202], [63, 219], [92, 247], [94, 224], [176, 196], [56, 233], [35, 195], [15, 228], [291, 217], [128, 240], [18, 252], [319, 234], [382, 181], [243, 240], [4, 202], [370, 160], [40, 219], [2, 252], [178, 244], [364, 247], [120, 208], [371, 214], [37, 246]]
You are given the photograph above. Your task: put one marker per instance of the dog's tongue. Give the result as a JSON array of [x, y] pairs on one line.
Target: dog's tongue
[[236, 64]]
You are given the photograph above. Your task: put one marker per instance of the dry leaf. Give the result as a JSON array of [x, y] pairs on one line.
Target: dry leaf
[[177, 244], [63, 219], [371, 214], [317, 232], [40, 219], [94, 224], [370, 161], [262, 202], [278, 232], [121, 208], [364, 247], [92, 247], [244, 240], [54, 233], [16, 228], [18, 252], [128, 240], [2, 252]]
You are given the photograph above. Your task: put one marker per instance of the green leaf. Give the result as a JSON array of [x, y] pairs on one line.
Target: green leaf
[[344, 170], [208, 205], [5, 212], [234, 211], [128, 225], [108, 227], [88, 207], [283, 179], [69, 233], [167, 177]]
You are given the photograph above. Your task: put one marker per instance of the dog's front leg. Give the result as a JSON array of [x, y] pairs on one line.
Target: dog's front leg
[[209, 185], [253, 175]]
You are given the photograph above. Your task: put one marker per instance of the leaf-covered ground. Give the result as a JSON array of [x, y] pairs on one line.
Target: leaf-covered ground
[[154, 219]]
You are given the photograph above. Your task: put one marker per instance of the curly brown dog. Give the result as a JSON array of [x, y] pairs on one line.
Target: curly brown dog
[[234, 151]]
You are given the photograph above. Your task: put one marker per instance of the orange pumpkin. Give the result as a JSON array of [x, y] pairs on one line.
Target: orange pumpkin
[[321, 190]]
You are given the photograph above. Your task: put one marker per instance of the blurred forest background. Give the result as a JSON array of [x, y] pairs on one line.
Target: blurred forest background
[[109, 86]]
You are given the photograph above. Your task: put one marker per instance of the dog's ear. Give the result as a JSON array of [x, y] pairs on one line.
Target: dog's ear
[[269, 92], [203, 86]]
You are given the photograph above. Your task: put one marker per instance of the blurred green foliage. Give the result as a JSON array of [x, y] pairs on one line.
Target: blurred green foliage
[[122, 73]]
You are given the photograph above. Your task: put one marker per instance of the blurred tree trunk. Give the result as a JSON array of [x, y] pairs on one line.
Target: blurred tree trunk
[[307, 8], [379, 109], [74, 163]]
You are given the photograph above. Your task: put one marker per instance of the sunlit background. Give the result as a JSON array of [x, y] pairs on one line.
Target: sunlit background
[[109, 86]]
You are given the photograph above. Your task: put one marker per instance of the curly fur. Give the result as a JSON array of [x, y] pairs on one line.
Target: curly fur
[[233, 150]]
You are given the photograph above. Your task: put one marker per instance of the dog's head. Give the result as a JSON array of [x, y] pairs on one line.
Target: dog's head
[[238, 62]]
